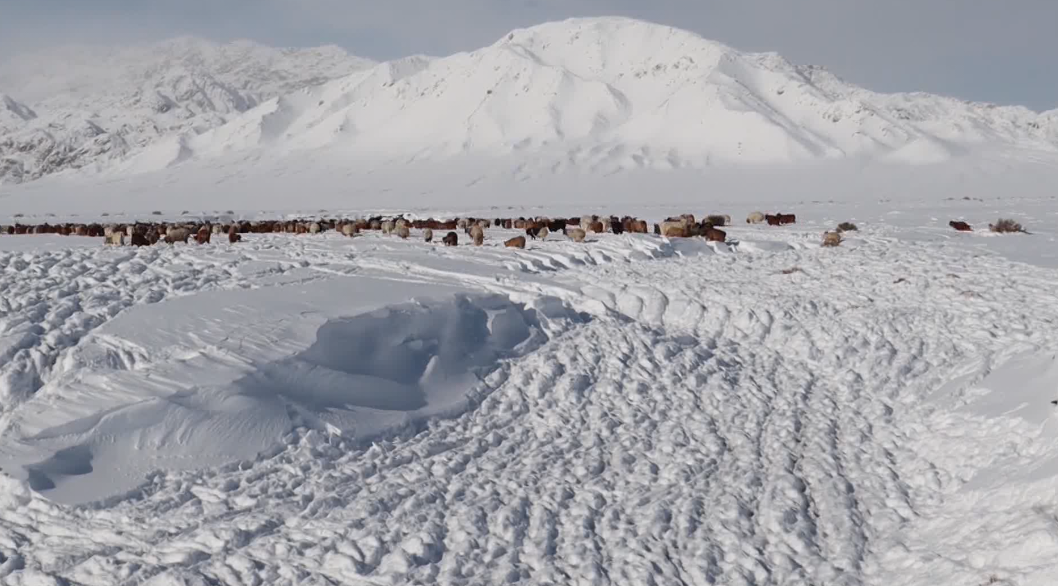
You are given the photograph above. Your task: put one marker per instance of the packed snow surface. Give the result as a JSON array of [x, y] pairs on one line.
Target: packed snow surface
[[321, 410]]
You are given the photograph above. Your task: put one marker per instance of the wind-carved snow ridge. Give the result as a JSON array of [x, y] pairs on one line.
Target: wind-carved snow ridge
[[363, 377], [799, 415]]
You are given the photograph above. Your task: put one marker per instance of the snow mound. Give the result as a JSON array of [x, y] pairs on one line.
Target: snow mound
[[361, 377]]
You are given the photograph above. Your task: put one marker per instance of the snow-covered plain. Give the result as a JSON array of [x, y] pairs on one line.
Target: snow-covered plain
[[319, 410], [630, 410]]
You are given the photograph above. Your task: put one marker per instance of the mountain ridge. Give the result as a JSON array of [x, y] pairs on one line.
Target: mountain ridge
[[603, 94]]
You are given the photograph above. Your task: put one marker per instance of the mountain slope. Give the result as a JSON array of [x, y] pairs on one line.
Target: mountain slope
[[593, 94], [86, 106], [606, 94]]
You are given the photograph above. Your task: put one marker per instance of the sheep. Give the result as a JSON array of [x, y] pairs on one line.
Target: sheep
[[427, 235], [202, 236], [177, 235], [755, 218], [387, 227], [718, 220], [516, 242], [349, 230], [116, 238], [451, 239], [403, 232], [542, 234], [314, 228], [847, 227], [233, 235], [477, 234], [598, 227], [533, 231], [960, 226], [673, 229], [831, 238], [576, 234]]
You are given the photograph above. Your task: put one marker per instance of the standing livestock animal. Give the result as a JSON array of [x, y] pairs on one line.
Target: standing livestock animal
[[477, 234], [138, 239], [451, 239], [516, 242], [202, 237], [349, 230], [718, 220], [233, 235], [403, 232], [576, 234], [116, 238], [617, 227], [387, 227], [427, 235], [673, 229], [175, 235]]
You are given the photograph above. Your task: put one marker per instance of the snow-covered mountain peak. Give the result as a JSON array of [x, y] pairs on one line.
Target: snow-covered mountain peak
[[599, 95]]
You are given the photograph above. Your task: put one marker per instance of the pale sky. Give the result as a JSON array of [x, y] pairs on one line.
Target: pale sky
[[999, 51]]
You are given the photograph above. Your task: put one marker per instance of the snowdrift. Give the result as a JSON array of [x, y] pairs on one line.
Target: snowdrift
[[136, 396]]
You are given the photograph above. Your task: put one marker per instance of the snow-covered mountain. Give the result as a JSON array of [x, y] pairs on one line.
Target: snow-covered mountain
[[89, 106], [596, 94]]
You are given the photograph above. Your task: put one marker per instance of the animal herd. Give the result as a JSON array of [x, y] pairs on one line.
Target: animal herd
[[576, 229]]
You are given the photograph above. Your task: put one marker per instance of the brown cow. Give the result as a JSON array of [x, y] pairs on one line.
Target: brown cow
[[451, 239]]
